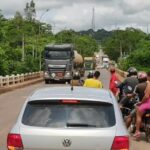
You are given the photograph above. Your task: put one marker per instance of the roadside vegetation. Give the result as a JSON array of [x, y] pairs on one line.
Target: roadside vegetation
[[130, 47], [22, 41]]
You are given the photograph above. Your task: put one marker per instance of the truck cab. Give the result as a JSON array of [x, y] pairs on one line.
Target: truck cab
[[58, 62], [89, 63]]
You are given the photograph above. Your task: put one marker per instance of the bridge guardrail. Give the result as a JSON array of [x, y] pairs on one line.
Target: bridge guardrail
[[19, 78], [122, 74]]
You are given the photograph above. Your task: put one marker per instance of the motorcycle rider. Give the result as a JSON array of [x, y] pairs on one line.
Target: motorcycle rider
[[147, 91], [141, 108], [90, 74], [139, 90], [128, 86], [76, 80]]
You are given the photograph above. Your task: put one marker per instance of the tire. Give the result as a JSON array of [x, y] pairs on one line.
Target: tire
[[47, 81], [132, 128], [147, 133], [147, 130]]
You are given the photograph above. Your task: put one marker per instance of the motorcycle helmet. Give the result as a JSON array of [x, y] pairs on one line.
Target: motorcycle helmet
[[132, 71], [90, 74], [142, 76], [76, 76]]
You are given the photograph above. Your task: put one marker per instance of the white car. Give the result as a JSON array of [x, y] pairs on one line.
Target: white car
[[58, 118]]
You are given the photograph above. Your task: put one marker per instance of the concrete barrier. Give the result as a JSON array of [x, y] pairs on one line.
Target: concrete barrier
[[9, 83], [19, 78], [121, 74]]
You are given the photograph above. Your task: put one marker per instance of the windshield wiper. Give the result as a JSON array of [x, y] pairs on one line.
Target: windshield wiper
[[80, 125]]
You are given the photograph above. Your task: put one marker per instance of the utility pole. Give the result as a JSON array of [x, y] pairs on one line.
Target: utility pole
[[41, 19], [93, 19], [120, 49], [92, 23], [33, 48], [40, 61], [23, 53]]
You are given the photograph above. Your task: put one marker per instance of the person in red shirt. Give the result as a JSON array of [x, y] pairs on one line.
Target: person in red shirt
[[113, 81]]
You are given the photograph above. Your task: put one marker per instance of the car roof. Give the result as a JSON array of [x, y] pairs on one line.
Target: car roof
[[83, 93], [59, 46]]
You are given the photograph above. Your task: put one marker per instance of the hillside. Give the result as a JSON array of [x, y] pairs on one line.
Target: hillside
[[99, 35]]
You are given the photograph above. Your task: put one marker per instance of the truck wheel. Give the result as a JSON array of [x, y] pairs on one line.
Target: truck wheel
[[47, 81]]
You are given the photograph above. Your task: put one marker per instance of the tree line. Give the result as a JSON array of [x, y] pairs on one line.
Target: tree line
[[129, 47], [22, 41]]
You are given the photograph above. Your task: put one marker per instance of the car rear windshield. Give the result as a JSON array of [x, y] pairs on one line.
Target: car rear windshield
[[57, 114]]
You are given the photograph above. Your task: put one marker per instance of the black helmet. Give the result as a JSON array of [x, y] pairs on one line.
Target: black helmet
[[132, 71], [90, 74], [142, 76], [76, 76]]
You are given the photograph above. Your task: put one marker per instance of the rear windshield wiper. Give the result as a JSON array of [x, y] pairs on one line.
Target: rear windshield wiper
[[80, 125]]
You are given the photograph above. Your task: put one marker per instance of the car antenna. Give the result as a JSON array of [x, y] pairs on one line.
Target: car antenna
[[72, 82], [72, 71]]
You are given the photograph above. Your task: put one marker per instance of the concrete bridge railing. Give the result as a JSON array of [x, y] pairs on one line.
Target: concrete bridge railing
[[121, 73], [19, 78]]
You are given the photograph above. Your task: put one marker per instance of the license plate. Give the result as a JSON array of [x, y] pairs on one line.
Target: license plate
[[60, 74]]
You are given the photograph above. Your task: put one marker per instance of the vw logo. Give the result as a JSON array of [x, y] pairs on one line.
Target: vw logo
[[66, 142]]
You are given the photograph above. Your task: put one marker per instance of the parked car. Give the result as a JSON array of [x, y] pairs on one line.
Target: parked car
[[58, 118]]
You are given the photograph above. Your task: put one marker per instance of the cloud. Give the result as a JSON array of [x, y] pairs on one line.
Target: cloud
[[134, 6], [9, 7], [58, 4], [77, 14]]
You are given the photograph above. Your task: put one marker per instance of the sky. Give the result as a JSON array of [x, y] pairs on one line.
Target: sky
[[77, 14]]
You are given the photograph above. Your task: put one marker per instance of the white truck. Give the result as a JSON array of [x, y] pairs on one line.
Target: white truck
[[105, 62]]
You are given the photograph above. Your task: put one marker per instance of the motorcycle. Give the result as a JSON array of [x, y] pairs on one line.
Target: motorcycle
[[145, 125], [126, 110], [130, 105], [128, 100]]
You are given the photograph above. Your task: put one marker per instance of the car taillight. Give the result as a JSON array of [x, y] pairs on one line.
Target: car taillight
[[68, 101], [120, 143], [14, 142]]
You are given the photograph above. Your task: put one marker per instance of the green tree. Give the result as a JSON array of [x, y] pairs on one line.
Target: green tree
[[21, 45], [30, 11], [122, 42], [139, 57], [65, 36], [84, 44]]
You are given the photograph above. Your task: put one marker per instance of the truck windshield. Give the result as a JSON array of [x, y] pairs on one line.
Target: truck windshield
[[57, 54], [88, 65]]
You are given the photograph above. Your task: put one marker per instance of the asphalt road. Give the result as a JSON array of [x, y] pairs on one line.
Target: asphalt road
[[11, 103]]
